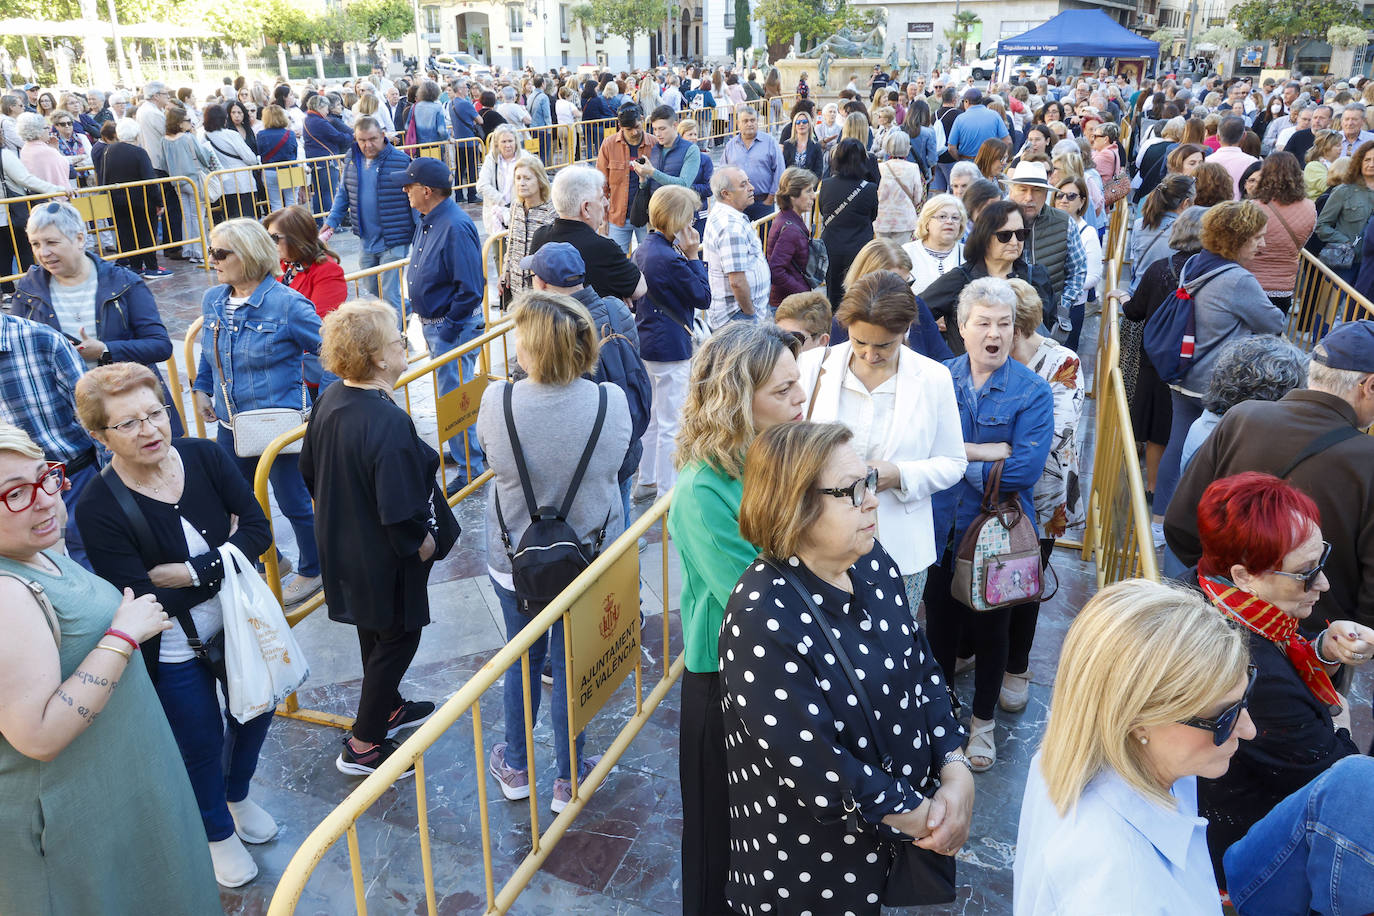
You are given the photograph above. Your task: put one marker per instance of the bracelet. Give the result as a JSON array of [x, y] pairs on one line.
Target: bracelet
[[128, 656], [956, 757], [1317, 649], [195, 579], [119, 634]]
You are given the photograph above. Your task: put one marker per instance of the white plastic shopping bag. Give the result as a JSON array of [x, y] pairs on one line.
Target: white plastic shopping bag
[[261, 656]]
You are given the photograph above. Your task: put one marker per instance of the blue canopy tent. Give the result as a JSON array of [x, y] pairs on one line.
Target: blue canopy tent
[[1080, 33]]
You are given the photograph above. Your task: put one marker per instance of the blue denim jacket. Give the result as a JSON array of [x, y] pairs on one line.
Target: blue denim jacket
[[262, 347], [1015, 406]]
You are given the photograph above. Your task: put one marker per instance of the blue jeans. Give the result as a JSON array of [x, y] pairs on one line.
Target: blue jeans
[[1186, 411], [390, 280], [76, 548], [292, 497], [324, 181], [219, 761], [516, 756], [621, 235], [442, 337], [273, 188], [1314, 851]]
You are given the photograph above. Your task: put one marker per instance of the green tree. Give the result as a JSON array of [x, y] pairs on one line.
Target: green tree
[[812, 20], [1287, 22], [628, 18], [743, 37], [585, 17], [959, 33], [381, 20]]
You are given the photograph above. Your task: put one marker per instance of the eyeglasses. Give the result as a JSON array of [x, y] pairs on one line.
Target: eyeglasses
[[1309, 577], [132, 425], [1223, 725], [276, 237], [946, 217], [20, 497], [1006, 235], [218, 254], [858, 491], [799, 336], [62, 123]]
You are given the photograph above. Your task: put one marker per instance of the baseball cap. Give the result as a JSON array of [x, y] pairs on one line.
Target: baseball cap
[[1350, 346], [28, 86], [423, 170], [556, 263]]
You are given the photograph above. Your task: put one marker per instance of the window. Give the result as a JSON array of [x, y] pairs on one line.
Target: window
[[563, 21], [515, 17], [730, 16], [517, 58], [432, 19], [565, 58]]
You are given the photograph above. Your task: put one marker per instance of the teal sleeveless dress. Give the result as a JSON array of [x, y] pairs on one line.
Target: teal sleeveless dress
[[110, 827]]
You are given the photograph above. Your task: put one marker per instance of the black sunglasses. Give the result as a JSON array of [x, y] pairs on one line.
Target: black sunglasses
[[1308, 578], [857, 491], [1006, 235], [219, 254], [1223, 725]]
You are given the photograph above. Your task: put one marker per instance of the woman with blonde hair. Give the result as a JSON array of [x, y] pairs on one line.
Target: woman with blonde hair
[[531, 207], [744, 380], [1326, 149], [856, 128], [496, 180], [935, 248], [549, 418]]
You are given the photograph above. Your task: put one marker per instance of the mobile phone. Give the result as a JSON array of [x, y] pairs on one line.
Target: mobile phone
[[76, 341], [642, 161]]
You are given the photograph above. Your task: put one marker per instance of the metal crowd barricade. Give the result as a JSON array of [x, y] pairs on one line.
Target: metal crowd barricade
[[312, 182], [1321, 300], [127, 212], [605, 595]]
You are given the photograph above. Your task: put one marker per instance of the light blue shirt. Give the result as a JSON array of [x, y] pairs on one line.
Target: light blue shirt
[[761, 161], [1115, 852]]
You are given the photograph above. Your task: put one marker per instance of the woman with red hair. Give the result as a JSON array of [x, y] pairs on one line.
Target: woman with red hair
[[1261, 566]]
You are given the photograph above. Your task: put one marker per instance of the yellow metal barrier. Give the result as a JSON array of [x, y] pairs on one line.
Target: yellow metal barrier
[[312, 182], [603, 581], [1321, 300], [131, 208]]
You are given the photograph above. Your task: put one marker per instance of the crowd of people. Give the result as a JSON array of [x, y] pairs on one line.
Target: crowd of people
[[845, 402]]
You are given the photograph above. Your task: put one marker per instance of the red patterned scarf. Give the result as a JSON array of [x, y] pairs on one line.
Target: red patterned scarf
[[1274, 625]]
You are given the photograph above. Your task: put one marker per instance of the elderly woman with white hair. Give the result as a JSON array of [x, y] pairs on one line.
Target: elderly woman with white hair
[[43, 160], [961, 175], [828, 126], [1007, 412], [106, 307], [900, 190]]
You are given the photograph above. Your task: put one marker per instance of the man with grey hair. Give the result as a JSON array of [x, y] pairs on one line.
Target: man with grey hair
[[515, 114], [152, 128], [1314, 438], [579, 197], [1353, 131], [735, 264]]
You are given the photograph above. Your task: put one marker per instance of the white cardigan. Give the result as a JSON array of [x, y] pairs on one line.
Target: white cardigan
[[925, 440]]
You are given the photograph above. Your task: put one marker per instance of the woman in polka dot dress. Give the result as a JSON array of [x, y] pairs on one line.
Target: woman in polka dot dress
[[813, 815]]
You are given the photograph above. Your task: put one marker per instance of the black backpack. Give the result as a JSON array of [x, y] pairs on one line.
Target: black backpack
[[550, 555]]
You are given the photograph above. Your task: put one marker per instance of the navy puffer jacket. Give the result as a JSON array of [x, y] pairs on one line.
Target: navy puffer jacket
[[398, 219]]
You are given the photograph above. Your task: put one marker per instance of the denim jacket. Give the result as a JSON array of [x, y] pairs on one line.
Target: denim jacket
[[262, 347], [1014, 405]]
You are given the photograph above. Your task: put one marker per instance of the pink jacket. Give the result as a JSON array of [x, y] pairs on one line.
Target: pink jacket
[[46, 163], [1276, 266]]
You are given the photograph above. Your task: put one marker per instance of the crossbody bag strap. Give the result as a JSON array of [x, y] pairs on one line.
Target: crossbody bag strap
[[40, 595], [586, 458], [842, 657], [1320, 444], [816, 388], [224, 389], [275, 149], [840, 208], [222, 152], [1297, 243], [911, 197]]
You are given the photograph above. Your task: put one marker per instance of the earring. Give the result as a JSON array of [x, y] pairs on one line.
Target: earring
[[1144, 740], [383, 365]]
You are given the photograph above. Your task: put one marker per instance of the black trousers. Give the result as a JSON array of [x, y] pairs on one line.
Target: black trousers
[[171, 211], [705, 797], [14, 249], [386, 656], [947, 621]]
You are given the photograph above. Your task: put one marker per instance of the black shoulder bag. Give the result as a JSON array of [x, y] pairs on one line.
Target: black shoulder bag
[[1318, 445], [550, 555], [211, 651], [917, 876]]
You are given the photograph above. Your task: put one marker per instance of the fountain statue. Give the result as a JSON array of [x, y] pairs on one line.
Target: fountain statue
[[851, 43]]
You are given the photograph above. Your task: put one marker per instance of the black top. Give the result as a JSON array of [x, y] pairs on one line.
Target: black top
[[214, 490], [491, 119], [942, 296], [812, 159], [852, 227], [609, 272], [797, 741], [126, 162], [376, 498]]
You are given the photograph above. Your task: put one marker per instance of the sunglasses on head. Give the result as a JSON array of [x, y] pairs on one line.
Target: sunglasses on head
[[1223, 725], [1006, 235]]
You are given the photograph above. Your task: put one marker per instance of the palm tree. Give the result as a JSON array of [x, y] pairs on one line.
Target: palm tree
[[964, 21], [585, 17]]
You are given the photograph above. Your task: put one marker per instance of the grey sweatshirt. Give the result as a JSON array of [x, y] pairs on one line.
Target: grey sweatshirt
[[1231, 306], [554, 423]]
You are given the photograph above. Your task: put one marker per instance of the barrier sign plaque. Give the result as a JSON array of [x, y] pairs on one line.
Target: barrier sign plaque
[[605, 638]]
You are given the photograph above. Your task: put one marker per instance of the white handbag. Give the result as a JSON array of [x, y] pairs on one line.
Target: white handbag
[[262, 660], [254, 430]]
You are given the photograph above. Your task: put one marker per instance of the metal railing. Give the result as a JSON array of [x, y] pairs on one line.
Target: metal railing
[[1321, 300], [611, 580]]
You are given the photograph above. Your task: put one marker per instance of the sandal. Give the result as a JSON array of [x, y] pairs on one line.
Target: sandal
[[981, 746], [1016, 694]]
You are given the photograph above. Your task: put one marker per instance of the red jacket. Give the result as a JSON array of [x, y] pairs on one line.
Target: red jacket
[[323, 284]]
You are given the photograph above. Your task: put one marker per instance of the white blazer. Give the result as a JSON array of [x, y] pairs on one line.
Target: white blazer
[[925, 440]]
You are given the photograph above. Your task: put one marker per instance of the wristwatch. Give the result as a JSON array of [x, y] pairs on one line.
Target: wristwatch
[[956, 757]]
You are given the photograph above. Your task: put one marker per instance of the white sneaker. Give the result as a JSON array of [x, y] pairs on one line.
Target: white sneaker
[[1157, 531], [251, 823], [234, 867]]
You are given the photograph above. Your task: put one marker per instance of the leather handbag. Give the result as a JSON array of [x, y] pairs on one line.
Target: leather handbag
[[1338, 254], [254, 430], [998, 562], [1118, 186], [916, 876]]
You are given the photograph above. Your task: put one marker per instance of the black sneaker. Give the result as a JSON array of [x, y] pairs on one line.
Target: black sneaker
[[547, 674], [353, 763], [408, 715]]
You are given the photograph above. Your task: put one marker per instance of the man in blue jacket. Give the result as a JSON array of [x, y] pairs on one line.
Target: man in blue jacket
[[466, 127], [445, 284], [381, 214]]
